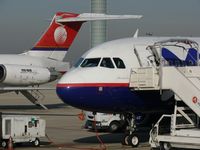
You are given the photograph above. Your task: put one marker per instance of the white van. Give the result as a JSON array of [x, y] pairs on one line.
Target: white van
[[21, 128], [104, 121]]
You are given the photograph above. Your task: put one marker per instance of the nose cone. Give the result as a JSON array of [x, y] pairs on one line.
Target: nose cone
[[65, 94], [65, 90], [81, 89], [72, 91], [76, 95]]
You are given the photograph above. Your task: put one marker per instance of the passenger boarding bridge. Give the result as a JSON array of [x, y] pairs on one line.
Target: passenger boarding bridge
[[183, 78]]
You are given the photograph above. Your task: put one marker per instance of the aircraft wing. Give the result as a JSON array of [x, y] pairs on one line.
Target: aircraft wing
[[94, 17], [25, 88]]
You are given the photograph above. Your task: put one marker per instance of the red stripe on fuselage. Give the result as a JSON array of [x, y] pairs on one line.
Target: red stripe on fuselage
[[94, 85]]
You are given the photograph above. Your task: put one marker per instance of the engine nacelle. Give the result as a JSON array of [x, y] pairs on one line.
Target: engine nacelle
[[25, 75]]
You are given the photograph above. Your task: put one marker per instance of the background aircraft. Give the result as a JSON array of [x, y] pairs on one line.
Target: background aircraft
[[42, 64], [101, 77]]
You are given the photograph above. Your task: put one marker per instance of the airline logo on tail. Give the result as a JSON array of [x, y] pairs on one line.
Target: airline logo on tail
[[59, 36]]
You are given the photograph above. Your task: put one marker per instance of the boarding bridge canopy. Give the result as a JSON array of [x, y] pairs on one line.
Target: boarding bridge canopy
[[183, 80], [175, 52]]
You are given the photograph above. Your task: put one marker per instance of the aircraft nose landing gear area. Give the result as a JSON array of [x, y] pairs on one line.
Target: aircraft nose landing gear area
[[133, 140], [132, 136]]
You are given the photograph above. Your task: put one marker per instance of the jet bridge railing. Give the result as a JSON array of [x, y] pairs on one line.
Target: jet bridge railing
[[183, 80], [175, 52], [180, 74], [172, 52]]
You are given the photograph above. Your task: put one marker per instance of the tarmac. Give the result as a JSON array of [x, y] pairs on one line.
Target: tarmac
[[64, 129]]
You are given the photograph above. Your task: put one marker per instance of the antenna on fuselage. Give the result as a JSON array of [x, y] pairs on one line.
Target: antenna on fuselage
[[134, 48], [136, 33]]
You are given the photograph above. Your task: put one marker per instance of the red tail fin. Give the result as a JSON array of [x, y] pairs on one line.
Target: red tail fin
[[57, 38]]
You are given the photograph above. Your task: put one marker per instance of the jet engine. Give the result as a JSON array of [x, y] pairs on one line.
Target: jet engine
[[26, 75]]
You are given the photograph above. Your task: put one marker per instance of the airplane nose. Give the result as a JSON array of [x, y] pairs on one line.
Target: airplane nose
[[78, 96], [75, 96], [71, 92], [75, 89], [68, 88], [65, 93]]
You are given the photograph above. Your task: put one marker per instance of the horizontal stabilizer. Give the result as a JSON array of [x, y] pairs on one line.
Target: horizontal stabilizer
[[94, 17]]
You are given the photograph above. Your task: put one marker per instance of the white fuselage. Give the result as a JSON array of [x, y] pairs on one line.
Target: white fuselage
[[21, 59], [107, 88], [24, 70]]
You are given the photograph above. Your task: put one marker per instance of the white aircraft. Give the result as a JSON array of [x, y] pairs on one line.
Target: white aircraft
[[44, 62], [101, 77]]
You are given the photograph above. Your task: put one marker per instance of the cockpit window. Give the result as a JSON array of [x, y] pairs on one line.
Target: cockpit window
[[78, 62], [119, 63], [90, 62], [107, 62]]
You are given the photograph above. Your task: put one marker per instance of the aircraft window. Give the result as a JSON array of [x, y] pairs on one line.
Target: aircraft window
[[90, 62], [78, 62], [107, 62], [119, 63]]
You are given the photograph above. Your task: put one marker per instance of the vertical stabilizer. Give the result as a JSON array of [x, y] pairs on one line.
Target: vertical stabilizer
[[57, 39]]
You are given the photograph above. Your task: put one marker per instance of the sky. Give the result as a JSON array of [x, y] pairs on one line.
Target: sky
[[23, 21]]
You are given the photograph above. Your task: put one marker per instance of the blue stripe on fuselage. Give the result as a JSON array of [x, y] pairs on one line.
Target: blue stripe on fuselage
[[115, 99]]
